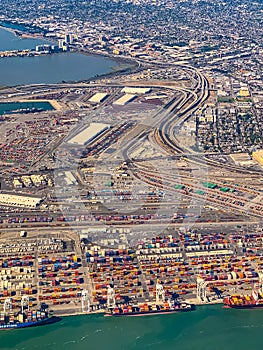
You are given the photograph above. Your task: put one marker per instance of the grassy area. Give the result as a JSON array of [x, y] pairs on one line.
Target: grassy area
[[225, 99]]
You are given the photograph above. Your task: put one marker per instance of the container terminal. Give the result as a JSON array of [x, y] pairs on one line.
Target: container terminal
[[103, 202], [73, 276]]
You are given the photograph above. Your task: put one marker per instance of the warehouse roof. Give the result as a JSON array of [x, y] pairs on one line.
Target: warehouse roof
[[89, 134], [135, 90], [98, 97], [19, 201], [124, 99]]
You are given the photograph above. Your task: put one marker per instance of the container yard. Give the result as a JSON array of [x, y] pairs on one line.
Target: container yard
[[41, 268], [117, 224], [26, 138], [56, 269]]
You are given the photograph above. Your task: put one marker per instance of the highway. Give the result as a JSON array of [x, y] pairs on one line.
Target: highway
[[163, 127], [72, 226], [170, 119]]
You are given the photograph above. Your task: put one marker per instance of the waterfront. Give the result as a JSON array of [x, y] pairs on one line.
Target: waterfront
[[47, 68], [9, 41], [14, 106], [209, 327]]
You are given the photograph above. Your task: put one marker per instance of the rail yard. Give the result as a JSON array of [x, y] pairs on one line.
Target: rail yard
[[111, 191]]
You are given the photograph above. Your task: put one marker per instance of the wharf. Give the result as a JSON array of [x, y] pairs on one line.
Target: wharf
[[55, 104], [57, 269]]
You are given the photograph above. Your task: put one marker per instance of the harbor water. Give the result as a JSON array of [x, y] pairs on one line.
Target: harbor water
[[16, 106], [53, 68], [207, 328], [9, 41]]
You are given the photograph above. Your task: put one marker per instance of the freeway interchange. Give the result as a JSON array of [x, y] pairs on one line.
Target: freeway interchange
[[160, 129]]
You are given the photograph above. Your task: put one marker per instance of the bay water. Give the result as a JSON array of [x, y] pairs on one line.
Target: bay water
[[53, 68], [206, 328]]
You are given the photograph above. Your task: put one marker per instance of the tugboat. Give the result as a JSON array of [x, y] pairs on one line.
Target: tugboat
[[160, 307], [24, 318]]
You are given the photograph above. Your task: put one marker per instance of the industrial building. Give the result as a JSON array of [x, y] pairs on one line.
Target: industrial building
[[242, 159], [17, 183], [98, 97], [258, 156], [19, 201], [136, 90], [91, 133], [122, 101], [70, 179]]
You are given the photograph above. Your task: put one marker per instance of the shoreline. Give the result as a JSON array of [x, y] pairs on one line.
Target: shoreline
[[64, 313], [56, 105], [25, 35], [8, 29], [125, 65]]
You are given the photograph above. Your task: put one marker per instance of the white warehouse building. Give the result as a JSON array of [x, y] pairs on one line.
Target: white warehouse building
[[12, 200], [91, 133]]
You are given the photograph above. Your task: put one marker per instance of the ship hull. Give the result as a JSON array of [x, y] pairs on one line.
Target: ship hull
[[149, 313], [49, 320], [255, 306]]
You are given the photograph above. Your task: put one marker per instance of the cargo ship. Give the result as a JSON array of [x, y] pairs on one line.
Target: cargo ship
[[149, 309], [26, 319], [255, 300]]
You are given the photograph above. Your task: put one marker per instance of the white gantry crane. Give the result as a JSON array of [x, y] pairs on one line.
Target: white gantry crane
[[8, 304], [160, 294], [260, 282], [111, 300], [258, 287], [85, 301], [201, 290], [24, 303]]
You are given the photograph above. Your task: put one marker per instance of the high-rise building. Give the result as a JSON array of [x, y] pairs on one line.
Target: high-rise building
[[61, 43], [39, 48], [47, 48], [68, 38]]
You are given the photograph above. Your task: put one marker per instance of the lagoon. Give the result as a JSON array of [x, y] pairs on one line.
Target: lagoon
[[9, 41], [55, 68]]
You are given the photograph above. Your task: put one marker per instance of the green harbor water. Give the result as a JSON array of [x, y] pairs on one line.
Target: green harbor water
[[207, 328], [16, 106]]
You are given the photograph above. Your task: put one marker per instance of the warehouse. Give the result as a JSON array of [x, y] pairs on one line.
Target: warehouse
[[136, 90], [70, 179], [98, 97], [122, 101], [91, 133], [258, 156], [19, 201]]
